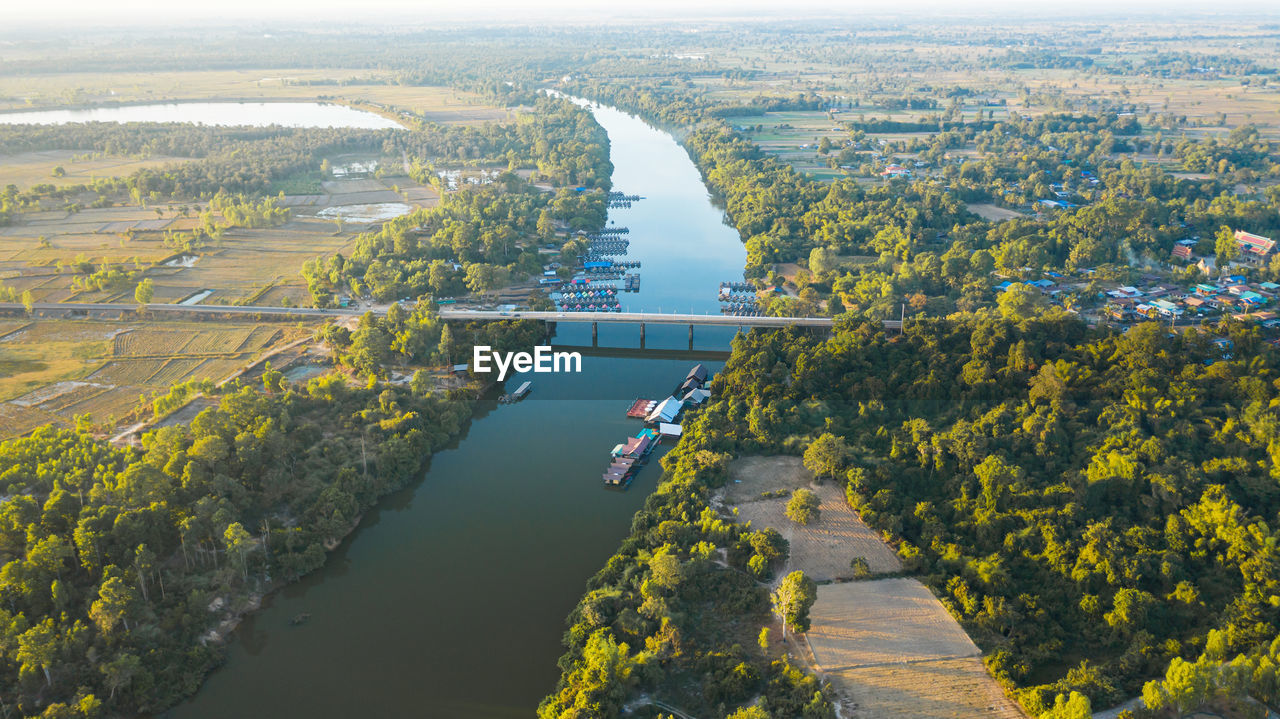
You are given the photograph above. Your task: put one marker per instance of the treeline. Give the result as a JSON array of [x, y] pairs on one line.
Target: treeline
[[116, 563], [665, 619], [1091, 506]]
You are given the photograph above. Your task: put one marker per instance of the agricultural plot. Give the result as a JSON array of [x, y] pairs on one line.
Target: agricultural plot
[[55, 370], [825, 548], [38, 168], [794, 138], [891, 649]]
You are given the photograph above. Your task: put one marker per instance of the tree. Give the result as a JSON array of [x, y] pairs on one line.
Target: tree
[[546, 228], [119, 672], [1021, 302], [37, 648], [114, 604], [238, 541], [1225, 248], [28, 301], [1075, 707], [763, 640], [861, 567], [144, 291], [826, 455], [792, 600], [802, 508]]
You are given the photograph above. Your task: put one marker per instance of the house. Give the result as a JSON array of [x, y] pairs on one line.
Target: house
[[1183, 252], [697, 397], [1167, 308], [1041, 284], [666, 411], [1254, 248], [895, 171], [1204, 290], [1193, 303]]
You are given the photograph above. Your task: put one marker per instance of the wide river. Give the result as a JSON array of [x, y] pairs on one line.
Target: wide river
[[450, 598], [287, 114]]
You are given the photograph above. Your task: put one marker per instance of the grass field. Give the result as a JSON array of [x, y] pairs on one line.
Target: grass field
[[53, 370], [438, 104]]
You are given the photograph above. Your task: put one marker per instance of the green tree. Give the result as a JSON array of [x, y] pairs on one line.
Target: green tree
[[1021, 302], [38, 648], [802, 508], [1225, 248], [145, 291], [28, 301], [792, 600], [826, 455], [238, 542], [1076, 706]]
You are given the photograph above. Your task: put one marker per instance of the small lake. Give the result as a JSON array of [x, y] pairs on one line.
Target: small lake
[[257, 114]]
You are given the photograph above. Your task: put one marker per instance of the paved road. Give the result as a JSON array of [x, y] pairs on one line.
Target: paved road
[[455, 314], [637, 318]]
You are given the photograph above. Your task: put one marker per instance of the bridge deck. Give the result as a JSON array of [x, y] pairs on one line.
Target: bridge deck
[[657, 318]]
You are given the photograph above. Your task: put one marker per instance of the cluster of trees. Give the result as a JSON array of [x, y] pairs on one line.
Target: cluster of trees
[[1090, 505], [115, 563], [666, 618], [419, 336], [477, 239]]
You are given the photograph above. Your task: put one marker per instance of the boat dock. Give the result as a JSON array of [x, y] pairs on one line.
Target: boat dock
[[626, 458], [521, 392]]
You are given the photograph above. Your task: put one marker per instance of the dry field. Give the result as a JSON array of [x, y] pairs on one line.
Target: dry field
[[36, 168], [55, 370], [438, 104], [889, 646], [892, 650], [993, 212], [822, 549]]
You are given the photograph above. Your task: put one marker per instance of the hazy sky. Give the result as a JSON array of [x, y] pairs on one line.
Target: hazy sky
[[424, 12]]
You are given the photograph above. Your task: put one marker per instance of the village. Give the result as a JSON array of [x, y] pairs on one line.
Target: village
[[1223, 293]]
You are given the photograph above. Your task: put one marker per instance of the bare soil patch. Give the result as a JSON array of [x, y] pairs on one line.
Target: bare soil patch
[[993, 212]]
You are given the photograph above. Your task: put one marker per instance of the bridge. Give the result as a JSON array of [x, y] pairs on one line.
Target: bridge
[[644, 318], [454, 314]]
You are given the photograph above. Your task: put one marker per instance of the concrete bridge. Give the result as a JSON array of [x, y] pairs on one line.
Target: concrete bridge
[[644, 318], [460, 315]]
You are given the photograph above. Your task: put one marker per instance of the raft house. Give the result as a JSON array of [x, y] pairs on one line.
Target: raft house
[[626, 458]]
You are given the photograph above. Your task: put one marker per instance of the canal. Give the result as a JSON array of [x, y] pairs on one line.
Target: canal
[[450, 598]]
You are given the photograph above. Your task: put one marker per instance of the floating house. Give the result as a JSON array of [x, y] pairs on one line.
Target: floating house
[[666, 411]]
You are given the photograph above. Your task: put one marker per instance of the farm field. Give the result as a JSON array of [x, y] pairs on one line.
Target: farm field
[[261, 265], [54, 370], [437, 104], [891, 649], [36, 168], [824, 548], [888, 645]]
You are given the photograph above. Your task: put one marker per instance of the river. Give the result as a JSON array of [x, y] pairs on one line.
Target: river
[[449, 600], [260, 114]]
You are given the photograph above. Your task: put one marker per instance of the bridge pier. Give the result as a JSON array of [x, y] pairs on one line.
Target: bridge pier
[[642, 334], [595, 334]]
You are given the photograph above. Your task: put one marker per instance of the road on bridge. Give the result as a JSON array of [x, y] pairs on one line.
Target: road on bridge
[[448, 313]]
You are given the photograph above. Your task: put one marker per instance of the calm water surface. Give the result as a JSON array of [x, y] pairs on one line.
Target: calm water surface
[[450, 599], [288, 114]]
